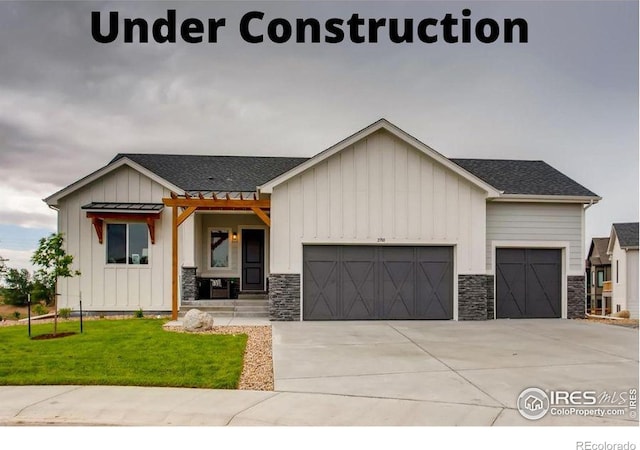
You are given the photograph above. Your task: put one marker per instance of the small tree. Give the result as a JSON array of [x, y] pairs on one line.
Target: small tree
[[54, 263], [3, 266], [18, 285]]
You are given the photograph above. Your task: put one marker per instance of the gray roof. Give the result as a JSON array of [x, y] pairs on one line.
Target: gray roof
[[125, 207], [598, 251], [523, 177], [214, 173], [244, 173], [627, 234]]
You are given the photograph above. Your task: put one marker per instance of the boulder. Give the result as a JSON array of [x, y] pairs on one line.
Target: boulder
[[196, 320]]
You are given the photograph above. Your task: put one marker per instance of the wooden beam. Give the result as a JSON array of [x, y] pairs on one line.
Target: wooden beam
[[217, 203], [213, 194], [186, 213], [263, 216], [173, 195], [151, 225], [227, 196], [97, 225], [254, 196], [186, 195], [200, 196], [241, 198], [174, 263]]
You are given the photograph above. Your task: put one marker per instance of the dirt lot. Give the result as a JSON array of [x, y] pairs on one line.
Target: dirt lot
[[6, 311]]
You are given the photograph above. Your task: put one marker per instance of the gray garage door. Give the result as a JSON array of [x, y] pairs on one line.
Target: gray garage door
[[528, 283], [377, 282]]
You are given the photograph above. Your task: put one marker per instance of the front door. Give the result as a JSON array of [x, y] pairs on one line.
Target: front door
[[252, 260]]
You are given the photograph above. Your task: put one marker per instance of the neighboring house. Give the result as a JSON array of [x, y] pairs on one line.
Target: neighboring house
[[623, 252], [378, 226], [598, 272]]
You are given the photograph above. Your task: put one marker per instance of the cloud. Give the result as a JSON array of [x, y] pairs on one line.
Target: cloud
[[68, 104], [18, 259]]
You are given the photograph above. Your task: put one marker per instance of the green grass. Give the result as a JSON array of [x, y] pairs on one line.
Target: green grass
[[136, 352]]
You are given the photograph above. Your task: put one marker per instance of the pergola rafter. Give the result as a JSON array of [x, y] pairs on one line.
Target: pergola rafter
[[191, 203]]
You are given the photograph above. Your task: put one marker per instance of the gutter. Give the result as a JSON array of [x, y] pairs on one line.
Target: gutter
[[547, 199], [591, 203]]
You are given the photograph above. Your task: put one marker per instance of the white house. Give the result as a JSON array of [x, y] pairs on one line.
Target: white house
[[378, 226], [623, 252]]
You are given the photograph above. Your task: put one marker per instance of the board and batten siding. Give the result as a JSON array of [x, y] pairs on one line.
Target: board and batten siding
[[632, 283], [379, 189], [111, 287], [542, 222]]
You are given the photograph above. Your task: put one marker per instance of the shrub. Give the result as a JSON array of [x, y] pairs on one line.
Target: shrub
[[623, 314], [17, 315], [65, 313], [39, 309], [138, 314]]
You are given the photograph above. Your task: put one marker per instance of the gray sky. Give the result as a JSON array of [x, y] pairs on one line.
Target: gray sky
[[69, 104]]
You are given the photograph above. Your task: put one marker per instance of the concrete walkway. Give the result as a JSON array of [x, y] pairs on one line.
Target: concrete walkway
[[373, 373]]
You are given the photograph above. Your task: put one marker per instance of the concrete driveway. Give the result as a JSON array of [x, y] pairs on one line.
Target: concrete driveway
[[448, 373], [373, 373]]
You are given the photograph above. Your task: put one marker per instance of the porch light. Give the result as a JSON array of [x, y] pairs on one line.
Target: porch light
[[234, 237]]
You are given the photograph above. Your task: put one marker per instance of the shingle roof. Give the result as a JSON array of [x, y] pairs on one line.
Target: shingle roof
[[523, 177], [598, 255], [245, 173], [214, 173], [627, 234]]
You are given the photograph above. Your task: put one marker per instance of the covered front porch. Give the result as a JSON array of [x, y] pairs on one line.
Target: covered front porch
[[220, 251]]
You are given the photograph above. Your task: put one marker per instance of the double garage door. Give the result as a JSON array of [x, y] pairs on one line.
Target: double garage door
[[528, 283], [349, 282]]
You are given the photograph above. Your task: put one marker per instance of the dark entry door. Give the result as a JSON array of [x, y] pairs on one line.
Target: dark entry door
[[252, 260], [529, 283], [377, 282]]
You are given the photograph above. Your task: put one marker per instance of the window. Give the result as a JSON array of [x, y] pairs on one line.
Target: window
[[600, 277], [127, 243], [219, 245], [617, 271]]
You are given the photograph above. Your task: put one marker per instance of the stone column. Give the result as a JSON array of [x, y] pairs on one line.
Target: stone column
[[576, 302], [189, 286], [475, 297], [284, 296]]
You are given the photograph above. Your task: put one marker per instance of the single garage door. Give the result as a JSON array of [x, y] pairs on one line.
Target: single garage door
[[349, 282], [528, 283]]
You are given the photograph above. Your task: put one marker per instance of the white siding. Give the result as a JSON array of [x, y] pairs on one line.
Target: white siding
[[107, 287], [632, 282], [624, 279], [537, 223], [379, 188]]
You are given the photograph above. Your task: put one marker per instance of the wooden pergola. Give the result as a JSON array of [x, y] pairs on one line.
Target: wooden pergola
[[192, 203]]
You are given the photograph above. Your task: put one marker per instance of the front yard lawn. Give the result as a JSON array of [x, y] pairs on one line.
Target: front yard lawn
[[135, 352]]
